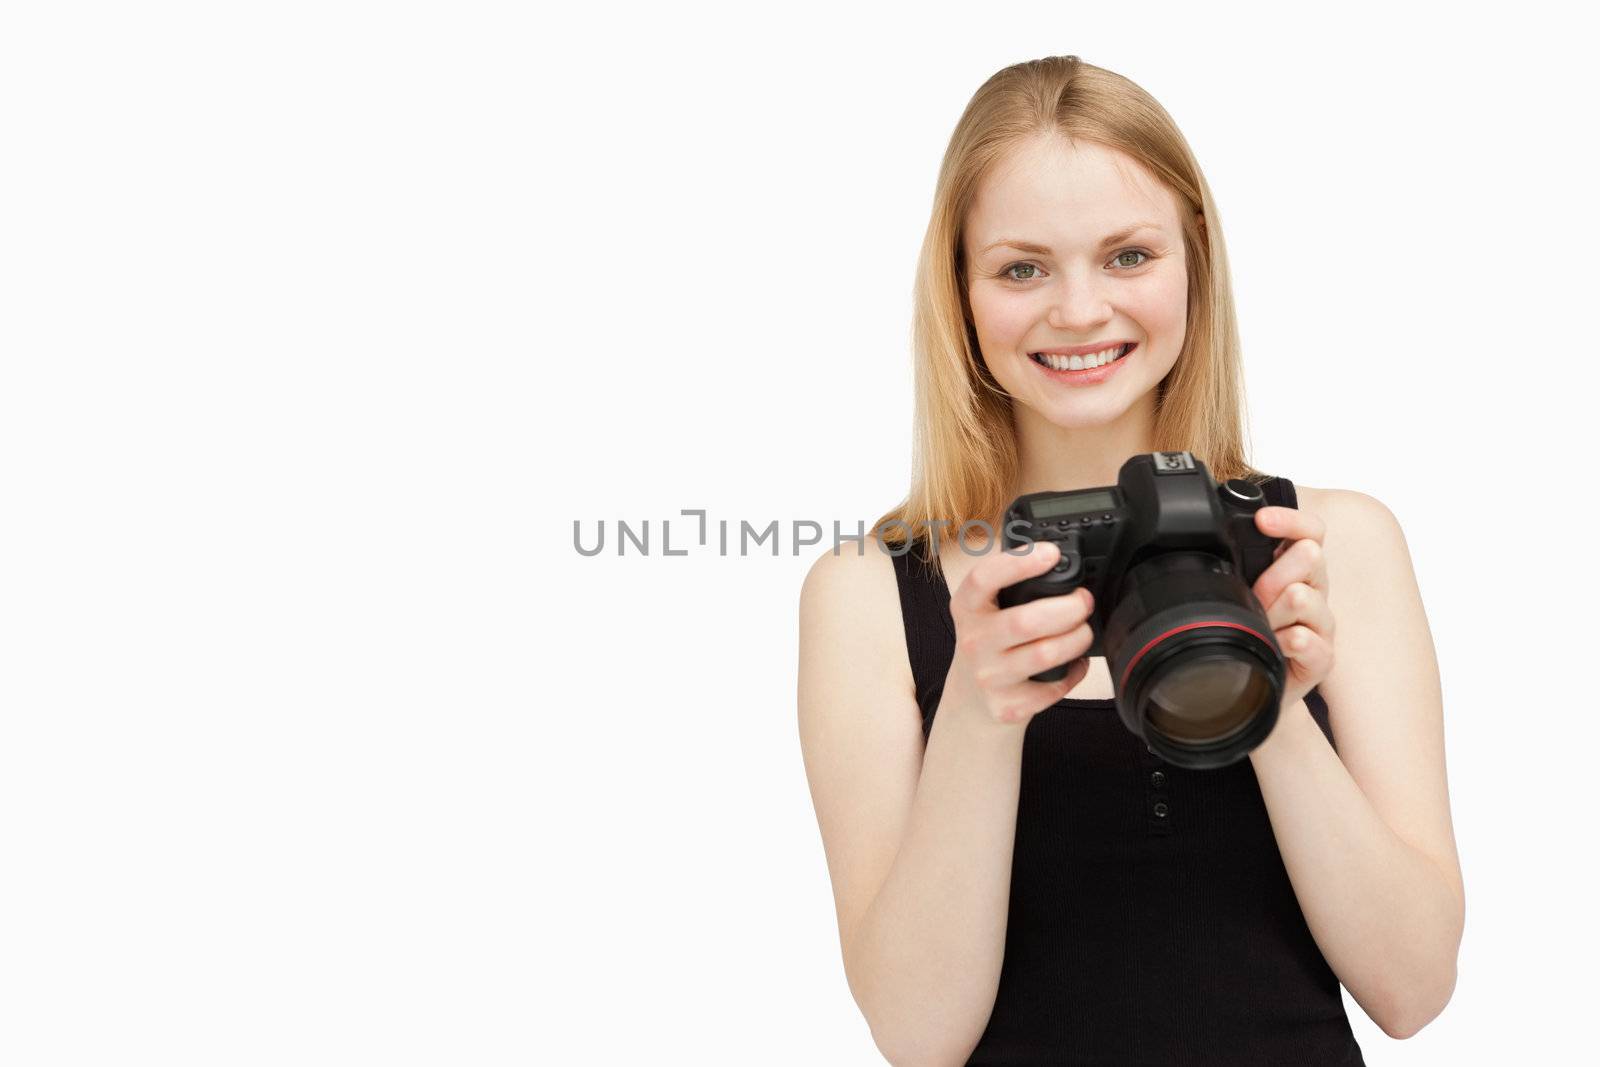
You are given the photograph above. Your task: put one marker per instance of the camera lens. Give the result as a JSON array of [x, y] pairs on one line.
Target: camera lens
[[1199, 676], [1209, 697]]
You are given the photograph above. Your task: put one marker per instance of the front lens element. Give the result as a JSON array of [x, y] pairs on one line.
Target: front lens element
[[1208, 698]]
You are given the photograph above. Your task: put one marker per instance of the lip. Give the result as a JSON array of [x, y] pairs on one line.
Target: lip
[[1084, 350], [1085, 377]]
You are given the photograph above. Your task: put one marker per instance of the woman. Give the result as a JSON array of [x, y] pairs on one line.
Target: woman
[[1018, 879]]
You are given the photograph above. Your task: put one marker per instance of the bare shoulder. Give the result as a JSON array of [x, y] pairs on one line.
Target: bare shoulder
[[850, 599], [1350, 518], [861, 573], [1349, 498], [1309, 497], [1360, 535]]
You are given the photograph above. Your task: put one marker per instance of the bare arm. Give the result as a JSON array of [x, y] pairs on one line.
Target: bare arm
[[919, 842], [1366, 833], [925, 960]]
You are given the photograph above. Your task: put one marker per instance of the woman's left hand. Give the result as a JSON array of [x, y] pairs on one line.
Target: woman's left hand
[[1294, 593]]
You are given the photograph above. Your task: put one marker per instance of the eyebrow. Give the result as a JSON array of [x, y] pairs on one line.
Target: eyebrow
[[1044, 250]]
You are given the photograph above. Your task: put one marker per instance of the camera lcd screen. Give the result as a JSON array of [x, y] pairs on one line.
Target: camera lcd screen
[[1072, 504]]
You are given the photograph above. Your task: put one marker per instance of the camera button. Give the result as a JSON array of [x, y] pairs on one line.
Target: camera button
[[1243, 491]]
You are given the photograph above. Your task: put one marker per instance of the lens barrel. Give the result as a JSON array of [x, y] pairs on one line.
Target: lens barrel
[[1199, 676]]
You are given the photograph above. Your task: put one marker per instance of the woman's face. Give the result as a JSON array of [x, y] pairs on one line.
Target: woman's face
[[1050, 264]]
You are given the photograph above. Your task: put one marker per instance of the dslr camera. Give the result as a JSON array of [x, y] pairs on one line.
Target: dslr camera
[[1170, 557]]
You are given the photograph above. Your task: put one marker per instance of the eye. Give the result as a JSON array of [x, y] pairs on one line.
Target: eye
[[1009, 276]]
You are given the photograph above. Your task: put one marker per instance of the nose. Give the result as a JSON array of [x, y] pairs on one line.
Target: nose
[[1081, 303]]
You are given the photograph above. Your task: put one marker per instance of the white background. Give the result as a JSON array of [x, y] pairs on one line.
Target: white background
[[323, 322]]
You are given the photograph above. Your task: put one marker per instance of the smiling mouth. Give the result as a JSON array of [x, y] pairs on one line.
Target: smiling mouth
[[1089, 362]]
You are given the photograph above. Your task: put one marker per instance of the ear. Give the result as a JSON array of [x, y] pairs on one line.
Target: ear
[[1200, 220]]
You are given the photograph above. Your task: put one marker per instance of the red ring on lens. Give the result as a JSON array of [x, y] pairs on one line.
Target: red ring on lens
[[1154, 641]]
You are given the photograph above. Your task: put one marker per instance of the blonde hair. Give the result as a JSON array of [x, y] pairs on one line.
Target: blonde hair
[[964, 448]]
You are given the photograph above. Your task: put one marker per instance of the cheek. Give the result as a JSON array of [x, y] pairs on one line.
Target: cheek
[[1164, 306], [1002, 319]]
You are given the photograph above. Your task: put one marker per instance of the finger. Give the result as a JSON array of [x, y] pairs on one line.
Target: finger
[[1025, 661], [1296, 640], [1302, 562], [1291, 523], [1310, 654], [1027, 699], [999, 569], [1046, 617], [1300, 603]]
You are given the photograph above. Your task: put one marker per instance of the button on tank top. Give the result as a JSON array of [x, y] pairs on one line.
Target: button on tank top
[[1151, 918]]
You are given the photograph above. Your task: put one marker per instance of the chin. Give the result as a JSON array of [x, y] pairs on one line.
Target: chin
[[1068, 418], [1088, 407]]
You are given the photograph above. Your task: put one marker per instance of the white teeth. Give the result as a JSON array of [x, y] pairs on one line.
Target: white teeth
[[1094, 359]]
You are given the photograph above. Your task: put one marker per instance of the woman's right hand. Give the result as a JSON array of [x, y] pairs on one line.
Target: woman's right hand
[[999, 649]]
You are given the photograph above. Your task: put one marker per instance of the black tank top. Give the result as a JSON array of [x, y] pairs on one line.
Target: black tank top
[[1151, 918]]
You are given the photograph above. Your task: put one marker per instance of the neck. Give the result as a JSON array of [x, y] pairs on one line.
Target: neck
[[1055, 458], [1059, 458]]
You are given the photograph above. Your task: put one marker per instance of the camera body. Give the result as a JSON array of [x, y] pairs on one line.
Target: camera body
[[1170, 557]]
